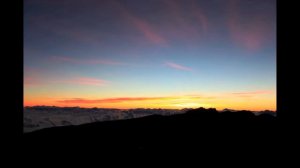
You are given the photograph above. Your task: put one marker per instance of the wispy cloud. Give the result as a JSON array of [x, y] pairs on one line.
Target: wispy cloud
[[252, 93], [86, 81], [108, 100], [32, 77], [200, 16], [131, 99], [86, 61], [36, 77], [251, 35], [185, 29], [177, 66], [30, 81], [141, 25], [146, 29]]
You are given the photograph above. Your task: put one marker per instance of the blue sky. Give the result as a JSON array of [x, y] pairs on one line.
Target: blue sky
[[129, 48]]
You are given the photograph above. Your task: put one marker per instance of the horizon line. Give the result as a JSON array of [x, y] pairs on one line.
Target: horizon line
[[148, 108]]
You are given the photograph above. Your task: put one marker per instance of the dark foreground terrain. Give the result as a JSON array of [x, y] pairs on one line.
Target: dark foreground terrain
[[197, 129]]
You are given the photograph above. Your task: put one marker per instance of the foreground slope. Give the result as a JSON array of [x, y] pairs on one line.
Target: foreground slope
[[193, 129]]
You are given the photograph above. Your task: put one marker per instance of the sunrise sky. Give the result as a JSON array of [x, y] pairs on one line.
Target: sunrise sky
[[150, 53]]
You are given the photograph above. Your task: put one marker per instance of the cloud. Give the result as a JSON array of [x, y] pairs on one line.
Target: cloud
[[87, 61], [109, 100], [251, 35], [130, 99], [177, 66], [251, 94], [30, 81], [35, 77], [200, 16], [142, 25], [87, 81], [187, 30], [32, 77], [148, 32]]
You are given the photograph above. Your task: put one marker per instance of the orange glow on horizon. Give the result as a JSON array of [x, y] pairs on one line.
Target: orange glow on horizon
[[168, 102]]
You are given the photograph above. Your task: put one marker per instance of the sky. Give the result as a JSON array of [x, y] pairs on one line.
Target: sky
[[150, 53]]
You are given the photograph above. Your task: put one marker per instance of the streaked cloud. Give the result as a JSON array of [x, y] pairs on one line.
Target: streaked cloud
[[251, 35], [130, 99], [191, 105], [146, 29], [32, 77], [86, 61], [37, 77], [186, 100], [141, 25], [200, 16], [30, 81], [107, 100], [86, 81], [177, 66], [185, 29], [252, 93]]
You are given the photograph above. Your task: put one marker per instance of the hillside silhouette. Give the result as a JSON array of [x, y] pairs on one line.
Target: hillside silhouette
[[195, 128]]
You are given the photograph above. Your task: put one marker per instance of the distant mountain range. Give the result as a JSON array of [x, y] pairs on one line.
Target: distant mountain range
[[39, 117]]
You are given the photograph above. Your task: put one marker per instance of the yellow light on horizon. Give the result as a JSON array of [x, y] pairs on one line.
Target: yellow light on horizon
[[190, 105]]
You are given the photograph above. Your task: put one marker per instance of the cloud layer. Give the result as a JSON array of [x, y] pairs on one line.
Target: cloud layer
[[128, 99]]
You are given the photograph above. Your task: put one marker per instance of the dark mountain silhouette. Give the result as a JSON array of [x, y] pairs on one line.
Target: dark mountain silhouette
[[193, 129]]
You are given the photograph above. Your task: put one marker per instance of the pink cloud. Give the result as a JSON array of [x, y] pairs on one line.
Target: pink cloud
[[251, 35], [87, 81], [148, 32], [200, 16], [142, 25], [127, 99], [30, 81], [184, 29], [88, 62], [108, 100], [31, 77], [177, 66], [253, 93], [35, 77]]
